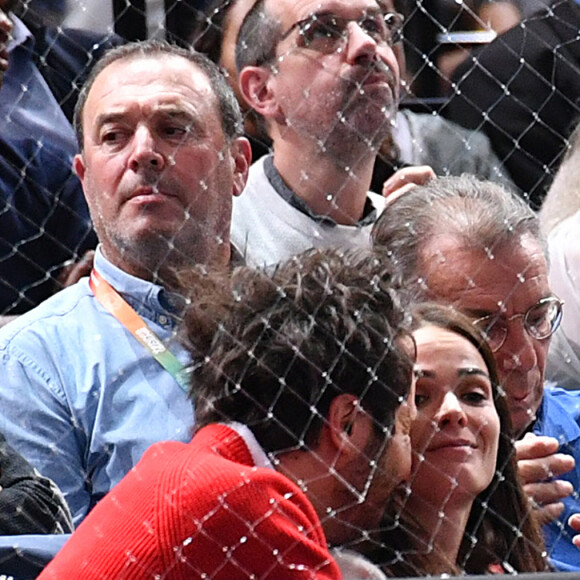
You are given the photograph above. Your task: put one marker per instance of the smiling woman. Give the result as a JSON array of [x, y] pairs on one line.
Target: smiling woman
[[465, 509], [456, 434]]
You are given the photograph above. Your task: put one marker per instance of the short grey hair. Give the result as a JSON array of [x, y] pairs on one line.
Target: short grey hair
[[482, 215]]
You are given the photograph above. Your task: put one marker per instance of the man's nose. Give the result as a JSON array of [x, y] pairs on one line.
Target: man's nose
[[360, 44], [518, 352], [145, 153]]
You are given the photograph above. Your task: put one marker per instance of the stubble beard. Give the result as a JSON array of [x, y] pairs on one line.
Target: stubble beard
[[361, 127], [151, 255]]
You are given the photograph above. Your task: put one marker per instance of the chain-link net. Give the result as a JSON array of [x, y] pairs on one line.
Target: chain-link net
[[487, 88]]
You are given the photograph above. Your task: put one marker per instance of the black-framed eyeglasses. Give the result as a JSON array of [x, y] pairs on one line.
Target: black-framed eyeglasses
[[327, 33], [540, 322]]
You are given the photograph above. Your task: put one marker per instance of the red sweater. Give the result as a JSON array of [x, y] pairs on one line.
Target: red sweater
[[199, 510]]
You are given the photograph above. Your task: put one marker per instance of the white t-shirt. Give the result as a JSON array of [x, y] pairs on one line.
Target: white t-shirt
[[267, 229]]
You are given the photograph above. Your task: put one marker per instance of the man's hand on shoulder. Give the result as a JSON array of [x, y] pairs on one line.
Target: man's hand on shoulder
[[404, 179], [539, 466]]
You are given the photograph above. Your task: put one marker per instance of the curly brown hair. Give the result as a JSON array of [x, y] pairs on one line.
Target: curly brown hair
[[274, 349]]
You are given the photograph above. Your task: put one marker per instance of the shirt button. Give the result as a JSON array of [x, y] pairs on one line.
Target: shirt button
[[163, 320]]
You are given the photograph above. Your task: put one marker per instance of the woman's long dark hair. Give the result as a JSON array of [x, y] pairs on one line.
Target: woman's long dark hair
[[501, 528]]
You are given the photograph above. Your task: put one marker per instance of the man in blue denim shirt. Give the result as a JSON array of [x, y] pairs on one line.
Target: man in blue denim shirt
[[473, 244], [559, 417], [85, 392]]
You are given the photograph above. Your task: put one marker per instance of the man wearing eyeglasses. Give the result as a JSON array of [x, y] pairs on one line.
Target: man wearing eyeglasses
[[473, 244], [324, 78]]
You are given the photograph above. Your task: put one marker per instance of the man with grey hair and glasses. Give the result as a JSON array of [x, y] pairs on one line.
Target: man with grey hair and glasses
[[479, 247]]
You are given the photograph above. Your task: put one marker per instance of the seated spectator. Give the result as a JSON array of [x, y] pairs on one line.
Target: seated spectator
[[522, 90], [29, 503], [302, 431], [417, 138], [471, 243], [104, 379], [314, 190], [44, 220], [465, 510]]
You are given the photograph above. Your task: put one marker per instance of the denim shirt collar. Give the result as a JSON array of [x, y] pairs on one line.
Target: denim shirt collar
[[148, 299]]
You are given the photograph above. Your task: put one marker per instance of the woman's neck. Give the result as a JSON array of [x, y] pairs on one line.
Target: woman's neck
[[439, 527]]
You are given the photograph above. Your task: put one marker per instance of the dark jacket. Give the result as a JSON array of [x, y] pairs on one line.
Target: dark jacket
[[65, 57], [29, 503], [527, 82], [44, 219]]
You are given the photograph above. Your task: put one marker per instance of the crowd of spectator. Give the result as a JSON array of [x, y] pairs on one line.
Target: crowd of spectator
[[270, 307]]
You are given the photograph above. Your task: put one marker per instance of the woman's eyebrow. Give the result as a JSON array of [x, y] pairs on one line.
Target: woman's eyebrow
[[472, 371]]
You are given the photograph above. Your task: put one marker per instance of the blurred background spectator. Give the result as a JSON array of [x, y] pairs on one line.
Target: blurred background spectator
[[44, 220], [522, 89], [134, 19], [560, 219]]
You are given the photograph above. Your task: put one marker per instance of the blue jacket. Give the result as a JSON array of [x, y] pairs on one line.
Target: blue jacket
[[559, 417], [81, 398]]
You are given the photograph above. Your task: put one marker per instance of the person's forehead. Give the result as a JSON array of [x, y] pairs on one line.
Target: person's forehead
[[289, 10], [170, 66], [406, 342], [512, 277], [163, 78], [433, 340]]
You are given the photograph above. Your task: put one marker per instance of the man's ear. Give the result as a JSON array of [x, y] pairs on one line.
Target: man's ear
[[350, 425], [241, 153], [79, 166], [255, 86]]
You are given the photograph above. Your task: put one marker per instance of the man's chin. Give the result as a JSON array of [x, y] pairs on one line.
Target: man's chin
[[370, 130], [522, 417]]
